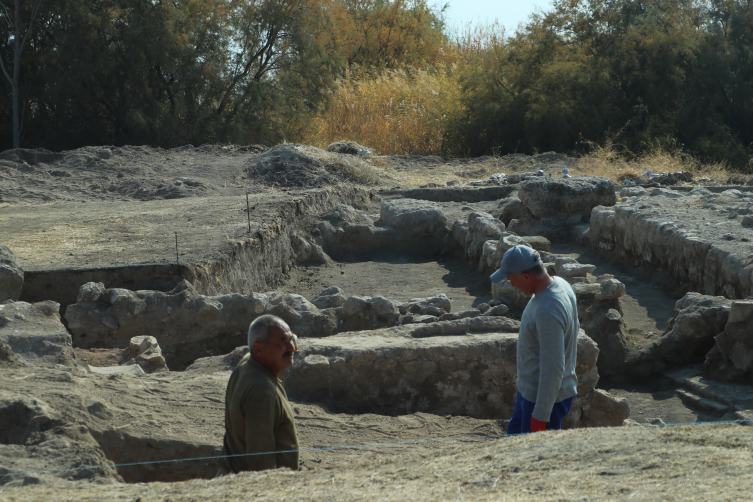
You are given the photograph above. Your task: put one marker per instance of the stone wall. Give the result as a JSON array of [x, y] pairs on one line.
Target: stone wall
[[402, 370], [697, 238]]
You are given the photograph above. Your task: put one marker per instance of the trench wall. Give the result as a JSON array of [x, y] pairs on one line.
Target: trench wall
[[693, 256], [465, 194], [255, 263], [260, 262]]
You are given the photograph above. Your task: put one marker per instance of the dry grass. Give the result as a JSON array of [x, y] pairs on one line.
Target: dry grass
[[394, 112], [421, 174], [688, 463], [615, 162], [351, 167]]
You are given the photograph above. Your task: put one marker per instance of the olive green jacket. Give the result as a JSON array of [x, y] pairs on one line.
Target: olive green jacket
[[258, 419]]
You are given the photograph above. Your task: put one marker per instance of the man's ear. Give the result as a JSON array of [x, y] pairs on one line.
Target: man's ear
[[257, 349]]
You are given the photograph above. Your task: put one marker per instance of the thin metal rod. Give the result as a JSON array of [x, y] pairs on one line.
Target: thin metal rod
[[248, 214], [177, 256]]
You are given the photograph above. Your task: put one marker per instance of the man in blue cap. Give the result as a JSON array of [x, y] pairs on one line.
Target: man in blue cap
[[547, 343]]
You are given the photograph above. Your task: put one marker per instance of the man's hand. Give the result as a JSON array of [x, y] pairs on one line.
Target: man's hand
[[537, 425]]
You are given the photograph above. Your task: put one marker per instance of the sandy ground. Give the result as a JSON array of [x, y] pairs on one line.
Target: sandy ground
[[688, 463]]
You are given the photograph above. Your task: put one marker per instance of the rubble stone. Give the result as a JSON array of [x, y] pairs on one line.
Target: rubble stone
[[329, 298], [610, 289], [563, 198], [11, 275], [416, 217], [35, 334]]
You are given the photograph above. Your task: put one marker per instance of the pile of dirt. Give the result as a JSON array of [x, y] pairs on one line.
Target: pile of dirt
[[144, 173], [290, 166]]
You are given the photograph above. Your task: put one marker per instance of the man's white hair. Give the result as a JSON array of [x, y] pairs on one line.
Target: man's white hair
[[258, 332]]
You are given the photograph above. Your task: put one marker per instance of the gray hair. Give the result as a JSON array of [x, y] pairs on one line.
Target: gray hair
[[258, 332]]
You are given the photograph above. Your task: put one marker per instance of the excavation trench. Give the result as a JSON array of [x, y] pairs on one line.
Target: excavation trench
[[399, 267]]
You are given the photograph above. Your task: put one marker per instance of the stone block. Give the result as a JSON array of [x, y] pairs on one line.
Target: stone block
[[633, 192], [610, 289], [698, 319], [563, 198], [416, 217], [574, 269], [409, 369], [740, 311]]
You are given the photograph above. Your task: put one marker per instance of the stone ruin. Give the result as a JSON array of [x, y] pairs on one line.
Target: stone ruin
[[361, 354]]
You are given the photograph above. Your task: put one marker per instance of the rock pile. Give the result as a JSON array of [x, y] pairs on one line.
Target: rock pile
[[403, 225], [600, 315], [731, 357]]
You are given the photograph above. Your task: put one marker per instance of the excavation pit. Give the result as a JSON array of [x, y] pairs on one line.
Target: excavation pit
[[384, 367]]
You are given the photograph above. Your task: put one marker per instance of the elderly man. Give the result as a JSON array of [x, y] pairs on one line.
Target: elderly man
[[258, 418], [547, 343]]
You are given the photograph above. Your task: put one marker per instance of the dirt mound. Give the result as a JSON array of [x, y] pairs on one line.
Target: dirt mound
[[291, 166], [31, 157]]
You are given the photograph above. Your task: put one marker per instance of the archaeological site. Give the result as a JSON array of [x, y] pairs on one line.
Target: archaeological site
[[129, 277]]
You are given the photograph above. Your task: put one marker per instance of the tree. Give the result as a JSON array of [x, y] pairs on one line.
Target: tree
[[18, 40], [583, 69], [165, 72], [388, 33]]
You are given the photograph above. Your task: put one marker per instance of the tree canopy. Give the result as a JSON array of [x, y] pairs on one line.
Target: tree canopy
[[171, 72], [168, 72], [649, 70]]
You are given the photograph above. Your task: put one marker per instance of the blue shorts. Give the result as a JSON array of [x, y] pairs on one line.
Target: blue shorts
[[520, 423]]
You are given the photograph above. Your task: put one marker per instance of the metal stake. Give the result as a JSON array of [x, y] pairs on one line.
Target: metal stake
[[248, 214]]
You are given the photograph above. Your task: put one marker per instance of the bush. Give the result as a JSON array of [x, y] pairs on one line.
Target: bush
[[404, 111]]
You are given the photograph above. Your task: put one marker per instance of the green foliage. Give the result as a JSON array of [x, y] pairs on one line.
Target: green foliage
[[170, 72], [653, 69], [173, 72], [387, 34]]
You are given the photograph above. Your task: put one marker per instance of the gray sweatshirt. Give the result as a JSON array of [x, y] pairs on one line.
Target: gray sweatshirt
[[547, 347]]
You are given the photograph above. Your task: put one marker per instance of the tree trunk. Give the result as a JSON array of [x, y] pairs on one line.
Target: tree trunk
[[16, 72]]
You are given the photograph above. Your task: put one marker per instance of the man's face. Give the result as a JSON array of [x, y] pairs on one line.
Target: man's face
[[522, 281], [277, 353]]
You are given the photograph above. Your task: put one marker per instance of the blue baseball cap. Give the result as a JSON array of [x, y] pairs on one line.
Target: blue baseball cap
[[516, 259]]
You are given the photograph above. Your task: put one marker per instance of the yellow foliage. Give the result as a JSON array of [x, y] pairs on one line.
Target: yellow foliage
[[615, 162], [404, 111]]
